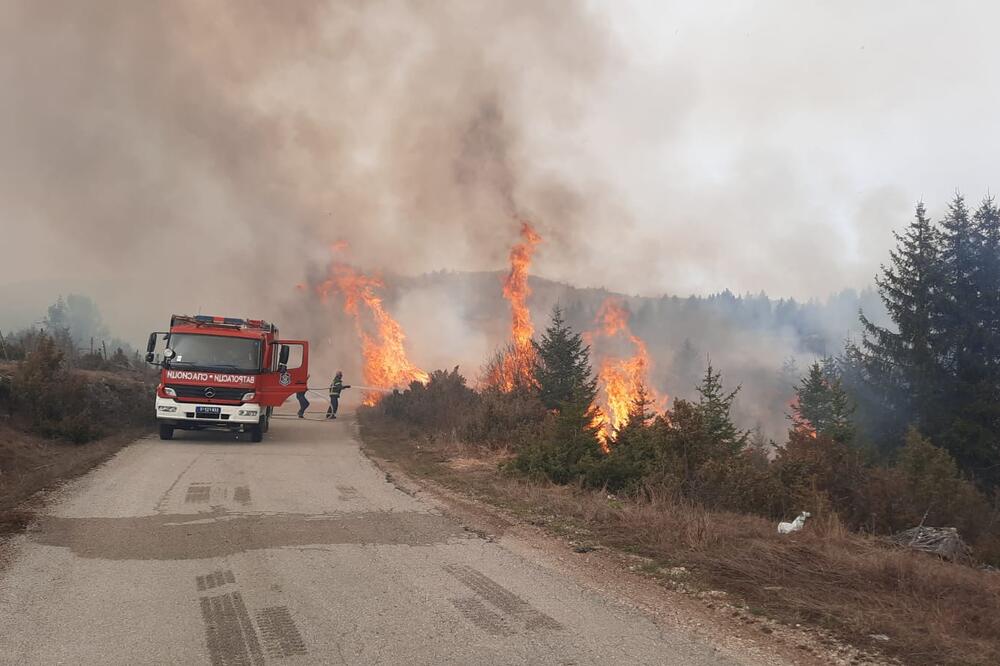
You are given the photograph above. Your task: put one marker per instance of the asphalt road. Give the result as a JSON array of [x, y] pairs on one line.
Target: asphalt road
[[294, 550]]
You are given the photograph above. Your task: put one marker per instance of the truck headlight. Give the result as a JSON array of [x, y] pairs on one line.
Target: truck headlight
[[249, 396], [167, 391]]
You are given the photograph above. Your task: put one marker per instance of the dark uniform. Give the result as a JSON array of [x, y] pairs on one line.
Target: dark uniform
[[336, 386], [303, 403]]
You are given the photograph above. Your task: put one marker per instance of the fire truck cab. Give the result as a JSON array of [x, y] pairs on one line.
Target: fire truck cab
[[224, 373]]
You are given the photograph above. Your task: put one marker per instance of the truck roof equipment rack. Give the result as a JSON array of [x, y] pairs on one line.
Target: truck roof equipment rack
[[225, 322]]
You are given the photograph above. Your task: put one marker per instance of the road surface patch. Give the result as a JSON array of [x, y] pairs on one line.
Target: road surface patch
[[219, 534], [281, 636], [214, 579], [479, 614], [231, 638], [347, 493], [502, 598], [198, 493], [242, 494]]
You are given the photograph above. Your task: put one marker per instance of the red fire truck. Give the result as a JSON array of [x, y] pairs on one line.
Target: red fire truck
[[224, 373]]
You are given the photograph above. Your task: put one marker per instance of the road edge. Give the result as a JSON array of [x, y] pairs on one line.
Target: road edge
[[732, 628]]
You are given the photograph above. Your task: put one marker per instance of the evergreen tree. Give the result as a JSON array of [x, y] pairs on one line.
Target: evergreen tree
[[714, 405], [958, 299], [902, 363], [568, 448], [875, 427], [822, 406], [562, 366], [687, 364], [987, 223], [968, 414], [58, 316], [939, 367], [640, 415], [789, 374], [83, 318]]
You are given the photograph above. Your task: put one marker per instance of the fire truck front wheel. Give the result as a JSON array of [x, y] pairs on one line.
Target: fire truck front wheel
[[166, 431], [256, 433]]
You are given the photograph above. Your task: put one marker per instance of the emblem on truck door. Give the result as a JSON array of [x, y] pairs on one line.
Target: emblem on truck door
[[209, 392], [285, 379]]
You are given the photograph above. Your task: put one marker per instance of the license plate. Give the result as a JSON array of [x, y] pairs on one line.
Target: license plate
[[209, 412]]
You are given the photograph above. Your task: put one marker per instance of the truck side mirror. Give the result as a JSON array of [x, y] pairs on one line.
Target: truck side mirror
[[150, 346], [283, 355]]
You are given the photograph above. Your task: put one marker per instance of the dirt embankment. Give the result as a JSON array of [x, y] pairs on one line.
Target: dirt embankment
[[886, 603], [55, 426]]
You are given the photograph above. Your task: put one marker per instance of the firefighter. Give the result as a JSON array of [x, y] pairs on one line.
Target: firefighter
[[336, 386], [303, 403]]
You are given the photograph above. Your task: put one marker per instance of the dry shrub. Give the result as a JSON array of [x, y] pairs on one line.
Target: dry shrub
[[447, 406], [43, 396], [505, 420], [440, 405]]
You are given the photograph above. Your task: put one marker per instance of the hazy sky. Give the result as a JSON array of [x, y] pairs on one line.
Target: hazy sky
[[660, 147], [793, 136]]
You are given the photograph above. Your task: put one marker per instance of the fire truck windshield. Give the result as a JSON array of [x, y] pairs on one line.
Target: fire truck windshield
[[212, 352]]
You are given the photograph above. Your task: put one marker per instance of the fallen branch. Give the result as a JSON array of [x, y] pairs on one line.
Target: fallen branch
[[941, 541]]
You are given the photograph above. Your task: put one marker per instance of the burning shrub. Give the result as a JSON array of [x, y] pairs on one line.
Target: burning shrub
[[510, 369]]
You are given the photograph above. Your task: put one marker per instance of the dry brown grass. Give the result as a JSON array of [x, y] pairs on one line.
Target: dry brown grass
[[29, 464], [933, 612]]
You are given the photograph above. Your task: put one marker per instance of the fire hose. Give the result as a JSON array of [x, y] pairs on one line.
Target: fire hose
[[323, 392], [326, 389]]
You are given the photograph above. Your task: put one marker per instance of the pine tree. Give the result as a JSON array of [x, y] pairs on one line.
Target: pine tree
[[789, 374], [58, 316], [902, 364], [822, 406], [958, 302], [987, 223], [562, 366], [687, 364], [968, 412], [714, 405], [568, 448], [640, 415]]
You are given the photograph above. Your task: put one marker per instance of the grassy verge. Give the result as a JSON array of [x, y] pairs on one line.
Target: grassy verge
[[59, 424], [29, 464], [932, 612]]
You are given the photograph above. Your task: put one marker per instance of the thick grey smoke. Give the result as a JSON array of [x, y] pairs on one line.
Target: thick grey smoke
[[185, 156], [192, 155]]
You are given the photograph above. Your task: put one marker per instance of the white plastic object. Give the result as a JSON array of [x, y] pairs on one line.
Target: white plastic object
[[795, 525]]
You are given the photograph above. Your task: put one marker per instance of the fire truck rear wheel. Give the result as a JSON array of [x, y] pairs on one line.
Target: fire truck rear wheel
[[166, 431]]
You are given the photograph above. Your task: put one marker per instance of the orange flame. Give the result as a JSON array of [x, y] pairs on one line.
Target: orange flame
[[516, 366], [386, 364], [800, 423], [621, 378]]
